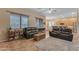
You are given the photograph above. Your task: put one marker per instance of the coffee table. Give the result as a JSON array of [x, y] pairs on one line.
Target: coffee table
[[39, 36]]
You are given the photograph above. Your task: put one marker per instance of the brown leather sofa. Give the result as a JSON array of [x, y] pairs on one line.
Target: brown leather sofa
[[62, 33], [29, 32]]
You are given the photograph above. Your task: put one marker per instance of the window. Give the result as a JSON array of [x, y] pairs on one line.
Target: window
[[14, 21], [18, 21], [39, 23], [24, 21]]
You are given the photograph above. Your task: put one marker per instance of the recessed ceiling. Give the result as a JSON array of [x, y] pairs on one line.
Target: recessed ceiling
[[56, 12]]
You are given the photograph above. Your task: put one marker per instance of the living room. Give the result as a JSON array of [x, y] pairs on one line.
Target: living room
[[38, 29]]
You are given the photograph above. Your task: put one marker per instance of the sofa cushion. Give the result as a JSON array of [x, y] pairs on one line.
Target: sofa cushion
[[67, 30], [55, 28]]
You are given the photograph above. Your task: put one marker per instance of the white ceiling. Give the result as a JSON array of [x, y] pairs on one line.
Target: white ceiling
[[57, 12]]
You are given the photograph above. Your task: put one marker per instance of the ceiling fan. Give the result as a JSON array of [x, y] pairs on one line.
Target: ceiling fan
[[51, 10], [47, 10]]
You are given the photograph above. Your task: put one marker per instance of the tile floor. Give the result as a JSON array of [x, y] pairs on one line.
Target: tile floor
[[19, 45], [29, 45]]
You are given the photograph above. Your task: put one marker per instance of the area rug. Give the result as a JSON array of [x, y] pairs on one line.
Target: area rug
[[54, 44]]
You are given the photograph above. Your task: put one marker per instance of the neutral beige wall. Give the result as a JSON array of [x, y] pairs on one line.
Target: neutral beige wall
[[67, 21], [4, 24], [5, 19]]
